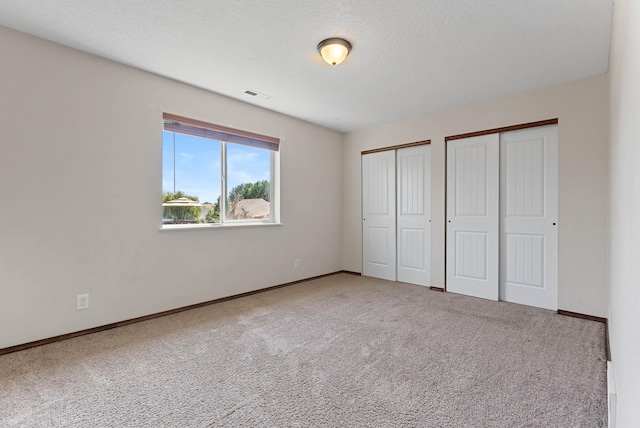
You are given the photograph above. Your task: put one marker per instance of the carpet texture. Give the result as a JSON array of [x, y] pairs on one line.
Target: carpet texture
[[340, 351]]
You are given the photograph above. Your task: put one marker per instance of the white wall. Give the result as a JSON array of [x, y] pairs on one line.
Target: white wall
[[624, 322], [80, 196], [582, 110]]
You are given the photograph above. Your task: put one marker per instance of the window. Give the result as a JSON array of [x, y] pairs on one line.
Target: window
[[214, 175]]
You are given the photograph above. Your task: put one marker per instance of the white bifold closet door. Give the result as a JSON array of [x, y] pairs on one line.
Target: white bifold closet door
[[379, 215], [529, 209], [473, 209], [414, 215], [396, 207]]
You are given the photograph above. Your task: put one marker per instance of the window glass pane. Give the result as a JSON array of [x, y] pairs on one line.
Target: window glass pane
[[248, 183], [191, 177]]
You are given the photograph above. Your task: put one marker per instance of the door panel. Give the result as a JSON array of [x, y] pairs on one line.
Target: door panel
[[525, 261], [471, 180], [414, 213], [529, 235], [473, 216], [379, 215], [471, 255], [379, 240]]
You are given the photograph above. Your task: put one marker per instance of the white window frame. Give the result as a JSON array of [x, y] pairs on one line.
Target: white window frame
[[241, 138]]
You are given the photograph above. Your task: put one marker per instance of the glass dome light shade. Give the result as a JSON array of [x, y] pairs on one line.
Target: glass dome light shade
[[334, 50]]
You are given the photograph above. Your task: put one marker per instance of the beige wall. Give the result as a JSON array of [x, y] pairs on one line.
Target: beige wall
[[80, 192], [624, 318], [582, 110], [80, 174]]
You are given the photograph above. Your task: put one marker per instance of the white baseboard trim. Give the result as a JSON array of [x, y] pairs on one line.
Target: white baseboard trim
[[611, 394]]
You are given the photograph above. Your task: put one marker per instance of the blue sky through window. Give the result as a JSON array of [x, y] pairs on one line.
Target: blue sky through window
[[198, 169]]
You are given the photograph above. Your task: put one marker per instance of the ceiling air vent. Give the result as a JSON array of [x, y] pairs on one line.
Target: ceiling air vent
[[253, 93]]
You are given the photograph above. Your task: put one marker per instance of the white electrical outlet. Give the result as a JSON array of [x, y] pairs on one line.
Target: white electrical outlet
[[296, 264], [82, 302]]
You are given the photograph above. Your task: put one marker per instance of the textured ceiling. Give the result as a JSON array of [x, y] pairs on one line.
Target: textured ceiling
[[409, 57]]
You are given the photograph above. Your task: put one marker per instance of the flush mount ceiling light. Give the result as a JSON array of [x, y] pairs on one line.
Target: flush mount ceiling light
[[334, 50]]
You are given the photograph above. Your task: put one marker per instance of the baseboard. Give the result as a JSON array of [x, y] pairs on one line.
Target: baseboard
[[351, 272], [583, 316], [611, 395], [592, 318], [66, 336], [606, 338], [436, 288]]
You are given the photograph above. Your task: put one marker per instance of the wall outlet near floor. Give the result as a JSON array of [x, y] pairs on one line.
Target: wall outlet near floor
[[82, 302], [296, 264]]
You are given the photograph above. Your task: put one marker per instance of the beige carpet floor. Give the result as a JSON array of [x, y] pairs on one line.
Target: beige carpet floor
[[340, 351]]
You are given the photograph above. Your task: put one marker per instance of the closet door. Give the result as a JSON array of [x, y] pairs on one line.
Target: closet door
[[414, 212], [473, 216], [379, 215], [529, 210]]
